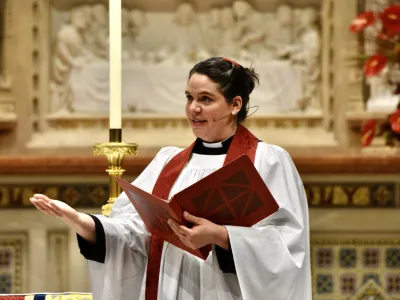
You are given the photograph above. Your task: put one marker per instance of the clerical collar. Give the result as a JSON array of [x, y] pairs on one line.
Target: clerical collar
[[205, 148]]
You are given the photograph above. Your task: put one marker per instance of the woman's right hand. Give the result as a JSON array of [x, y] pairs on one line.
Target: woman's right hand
[[83, 224], [54, 208]]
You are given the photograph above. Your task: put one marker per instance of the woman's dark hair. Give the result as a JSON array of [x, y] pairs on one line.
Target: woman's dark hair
[[232, 79]]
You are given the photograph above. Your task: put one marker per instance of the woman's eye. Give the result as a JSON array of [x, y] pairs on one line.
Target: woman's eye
[[206, 99], [189, 98]]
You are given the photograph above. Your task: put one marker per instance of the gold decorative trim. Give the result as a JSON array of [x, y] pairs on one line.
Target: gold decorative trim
[[362, 239]]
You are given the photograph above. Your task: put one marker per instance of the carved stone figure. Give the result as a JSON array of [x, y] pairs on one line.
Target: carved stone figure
[[96, 34], [280, 33], [228, 44], [187, 34], [212, 24], [136, 22], [69, 53], [248, 34], [307, 56]]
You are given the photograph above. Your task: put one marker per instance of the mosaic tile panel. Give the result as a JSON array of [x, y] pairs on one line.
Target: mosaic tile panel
[[77, 194], [371, 290], [340, 268], [371, 258], [392, 283], [355, 194], [88, 195], [12, 249], [348, 283]]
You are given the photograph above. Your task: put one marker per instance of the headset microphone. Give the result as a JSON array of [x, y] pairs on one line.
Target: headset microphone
[[216, 120]]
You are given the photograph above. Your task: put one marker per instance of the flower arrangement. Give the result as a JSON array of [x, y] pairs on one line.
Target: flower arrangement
[[385, 26]]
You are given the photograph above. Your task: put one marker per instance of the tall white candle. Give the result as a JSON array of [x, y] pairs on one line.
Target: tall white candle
[[115, 45]]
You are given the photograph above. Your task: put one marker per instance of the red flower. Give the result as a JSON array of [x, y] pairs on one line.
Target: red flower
[[375, 64], [394, 120], [363, 20], [383, 35], [391, 19], [368, 132]]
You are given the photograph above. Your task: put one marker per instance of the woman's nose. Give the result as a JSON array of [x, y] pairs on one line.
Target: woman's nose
[[195, 107]]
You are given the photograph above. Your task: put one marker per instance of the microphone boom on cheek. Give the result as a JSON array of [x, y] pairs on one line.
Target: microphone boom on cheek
[[216, 120]]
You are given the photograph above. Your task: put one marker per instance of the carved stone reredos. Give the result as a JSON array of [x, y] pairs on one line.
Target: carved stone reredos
[[199, 5], [283, 45]]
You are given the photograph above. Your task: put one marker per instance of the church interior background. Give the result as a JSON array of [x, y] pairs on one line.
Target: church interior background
[[312, 101]]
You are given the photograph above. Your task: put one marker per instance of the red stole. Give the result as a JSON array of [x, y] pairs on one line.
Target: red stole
[[244, 142]]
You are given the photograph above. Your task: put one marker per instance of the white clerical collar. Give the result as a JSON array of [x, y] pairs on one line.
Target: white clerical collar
[[212, 145], [206, 148]]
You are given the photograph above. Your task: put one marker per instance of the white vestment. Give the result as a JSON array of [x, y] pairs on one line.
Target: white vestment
[[272, 258]]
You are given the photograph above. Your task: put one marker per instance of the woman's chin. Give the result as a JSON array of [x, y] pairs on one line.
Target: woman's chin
[[199, 133]]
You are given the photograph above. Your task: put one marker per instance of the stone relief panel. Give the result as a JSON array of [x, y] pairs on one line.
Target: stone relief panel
[[159, 48]]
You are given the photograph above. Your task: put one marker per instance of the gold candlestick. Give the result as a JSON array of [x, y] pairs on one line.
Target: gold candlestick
[[115, 152]]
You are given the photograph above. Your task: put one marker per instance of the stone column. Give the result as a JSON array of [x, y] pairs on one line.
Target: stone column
[[347, 88], [78, 271], [7, 101], [21, 72], [38, 260], [41, 60]]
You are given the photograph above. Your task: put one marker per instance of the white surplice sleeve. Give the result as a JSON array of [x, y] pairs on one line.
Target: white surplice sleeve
[[272, 257], [126, 240]]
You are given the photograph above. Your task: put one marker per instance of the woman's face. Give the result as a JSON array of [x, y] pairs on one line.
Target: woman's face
[[211, 117]]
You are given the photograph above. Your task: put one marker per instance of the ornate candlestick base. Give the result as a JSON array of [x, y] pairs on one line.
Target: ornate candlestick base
[[115, 152]]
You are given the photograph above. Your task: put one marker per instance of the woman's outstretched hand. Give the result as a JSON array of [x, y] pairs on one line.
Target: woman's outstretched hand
[[83, 224], [54, 208], [201, 234]]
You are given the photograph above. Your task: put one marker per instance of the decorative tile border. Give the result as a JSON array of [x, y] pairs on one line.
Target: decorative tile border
[[76, 194], [93, 195], [352, 194]]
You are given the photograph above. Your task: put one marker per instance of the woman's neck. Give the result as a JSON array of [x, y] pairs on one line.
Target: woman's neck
[[219, 140], [224, 136]]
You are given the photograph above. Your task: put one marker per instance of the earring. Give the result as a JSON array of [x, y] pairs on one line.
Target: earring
[[233, 113]]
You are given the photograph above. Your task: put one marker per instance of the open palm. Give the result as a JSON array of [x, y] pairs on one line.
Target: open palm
[[54, 208]]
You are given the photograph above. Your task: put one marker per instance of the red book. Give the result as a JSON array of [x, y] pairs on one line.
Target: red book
[[232, 195]]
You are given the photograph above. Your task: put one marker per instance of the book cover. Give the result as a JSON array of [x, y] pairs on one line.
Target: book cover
[[232, 195]]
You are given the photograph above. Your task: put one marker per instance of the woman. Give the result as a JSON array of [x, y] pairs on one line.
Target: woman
[[267, 261]]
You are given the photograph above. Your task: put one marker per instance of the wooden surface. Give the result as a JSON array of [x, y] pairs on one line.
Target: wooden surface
[[314, 161]]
